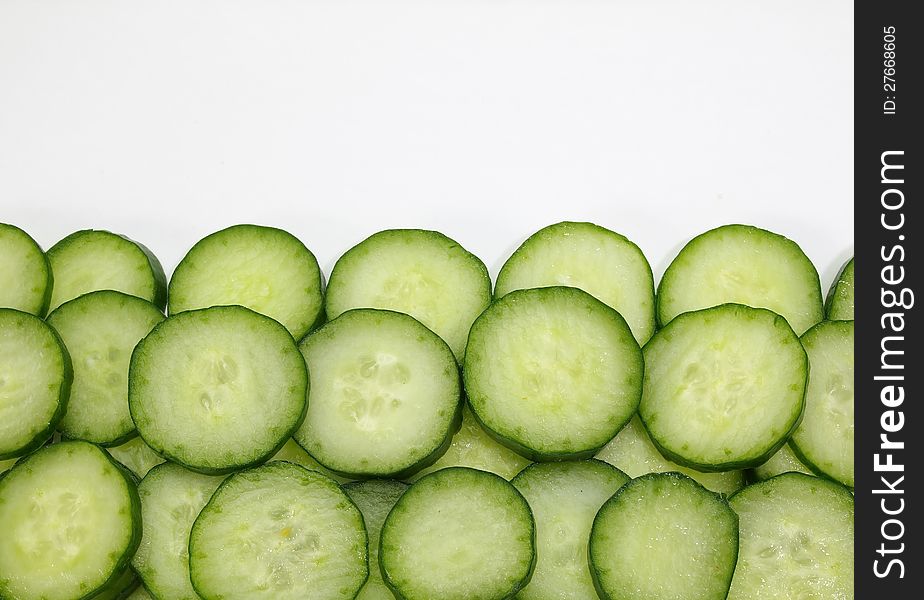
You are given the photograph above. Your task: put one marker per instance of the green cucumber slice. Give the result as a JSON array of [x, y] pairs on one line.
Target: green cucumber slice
[[136, 456], [279, 532], [100, 330], [263, 268], [121, 587], [458, 534], [824, 439], [70, 518], [663, 536], [633, 452], [91, 260], [421, 273], [724, 387], [171, 499], [35, 381], [796, 540], [743, 265], [784, 461], [552, 372], [839, 305], [217, 389], [565, 498], [375, 499], [25, 275], [385, 395], [601, 262]]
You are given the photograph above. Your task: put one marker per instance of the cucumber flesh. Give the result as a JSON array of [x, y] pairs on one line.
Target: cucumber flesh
[[25, 275], [140, 593], [552, 372], [217, 389], [92, 260], [784, 461], [384, 397], [583, 255], [265, 269], [472, 447], [421, 273], [100, 330], [632, 452], [136, 456], [839, 305], [70, 519], [375, 499], [6, 465], [796, 540], [293, 453], [35, 381], [663, 536], [458, 534], [824, 439], [565, 498], [279, 532], [743, 265], [171, 498], [724, 387]]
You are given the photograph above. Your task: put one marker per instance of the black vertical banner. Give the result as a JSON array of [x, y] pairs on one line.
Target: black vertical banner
[[889, 372]]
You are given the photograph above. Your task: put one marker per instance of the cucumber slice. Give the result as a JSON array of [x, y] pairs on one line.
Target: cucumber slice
[[458, 534], [100, 330], [217, 389], [824, 439], [552, 372], [724, 387], [632, 452], [663, 536], [35, 381], [91, 260], [293, 453], [121, 587], [583, 255], [136, 456], [565, 498], [140, 593], [796, 540], [839, 305], [25, 275], [421, 273], [375, 500], [784, 461], [70, 518], [384, 396], [265, 269], [6, 465], [472, 447], [279, 532], [744, 265], [171, 499]]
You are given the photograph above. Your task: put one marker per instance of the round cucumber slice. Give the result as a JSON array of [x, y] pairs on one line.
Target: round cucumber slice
[[384, 396], [279, 532], [25, 275], [70, 518], [663, 536], [601, 262], [91, 260], [565, 498], [421, 273], [265, 269], [743, 265], [724, 387], [458, 534], [839, 305], [217, 389], [824, 439], [35, 381], [100, 330], [552, 372], [796, 540]]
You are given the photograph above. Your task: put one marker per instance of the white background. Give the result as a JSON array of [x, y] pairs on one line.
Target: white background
[[168, 120]]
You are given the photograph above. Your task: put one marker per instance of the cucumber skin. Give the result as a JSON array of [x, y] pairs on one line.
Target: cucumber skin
[[64, 395], [49, 276], [835, 286], [598, 585], [512, 593], [219, 470], [742, 464]]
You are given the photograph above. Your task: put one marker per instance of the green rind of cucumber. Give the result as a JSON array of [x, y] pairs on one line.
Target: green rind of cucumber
[[839, 303]]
